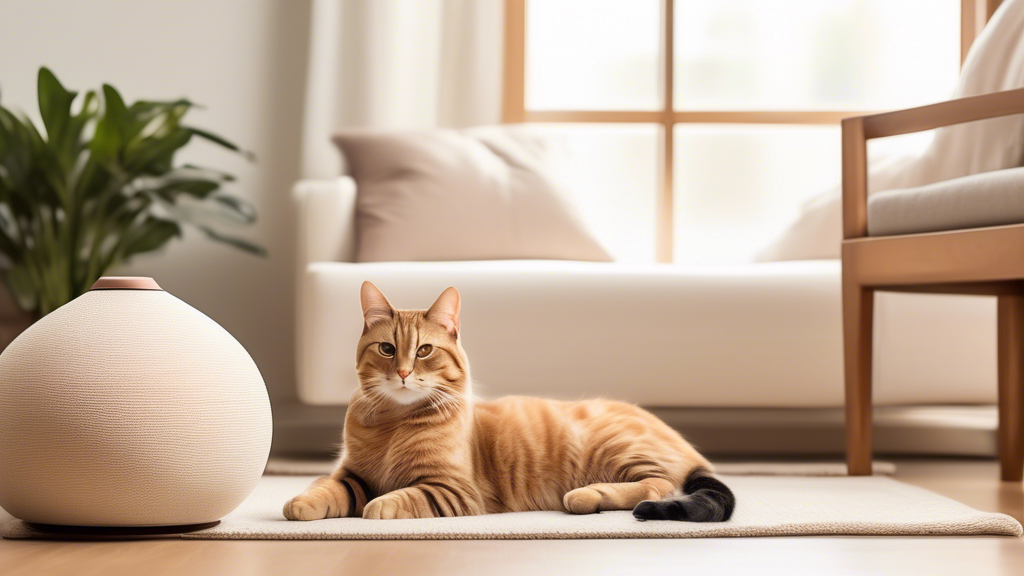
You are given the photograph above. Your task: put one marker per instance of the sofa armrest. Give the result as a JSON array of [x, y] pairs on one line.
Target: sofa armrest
[[326, 233], [326, 227]]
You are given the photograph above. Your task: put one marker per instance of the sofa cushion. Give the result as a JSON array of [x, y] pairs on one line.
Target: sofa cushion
[[459, 195], [746, 335], [988, 199]]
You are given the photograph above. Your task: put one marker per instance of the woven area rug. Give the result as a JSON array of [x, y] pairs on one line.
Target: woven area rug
[[767, 505]]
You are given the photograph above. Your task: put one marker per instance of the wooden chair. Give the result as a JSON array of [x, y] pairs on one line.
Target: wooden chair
[[988, 261]]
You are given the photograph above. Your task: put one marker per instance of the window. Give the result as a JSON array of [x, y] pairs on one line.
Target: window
[[701, 126]]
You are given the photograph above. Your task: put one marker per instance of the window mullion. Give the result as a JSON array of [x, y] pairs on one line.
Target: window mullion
[[664, 206], [514, 88]]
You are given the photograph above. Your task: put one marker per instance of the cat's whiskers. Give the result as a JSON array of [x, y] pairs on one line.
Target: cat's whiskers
[[377, 400], [445, 403]]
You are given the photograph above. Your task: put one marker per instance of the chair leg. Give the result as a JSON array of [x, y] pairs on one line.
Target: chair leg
[[1011, 387], [858, 320]]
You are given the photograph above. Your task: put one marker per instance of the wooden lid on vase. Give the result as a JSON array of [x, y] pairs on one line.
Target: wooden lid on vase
[[125, 283]]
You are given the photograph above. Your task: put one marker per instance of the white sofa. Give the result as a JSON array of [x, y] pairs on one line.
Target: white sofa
[[752, 335]]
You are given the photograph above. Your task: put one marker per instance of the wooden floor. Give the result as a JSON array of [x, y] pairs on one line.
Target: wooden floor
[[974, 482]]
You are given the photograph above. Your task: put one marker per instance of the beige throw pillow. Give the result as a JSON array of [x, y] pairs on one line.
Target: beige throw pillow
[[479, 194]]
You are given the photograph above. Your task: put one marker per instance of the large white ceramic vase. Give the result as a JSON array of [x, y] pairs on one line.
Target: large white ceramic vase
[[128, 407]]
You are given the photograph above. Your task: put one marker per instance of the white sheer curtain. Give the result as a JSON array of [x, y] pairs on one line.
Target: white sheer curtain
[[400, 64]]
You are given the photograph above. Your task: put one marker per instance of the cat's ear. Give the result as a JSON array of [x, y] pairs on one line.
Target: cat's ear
[[376, 307], [445, 311]]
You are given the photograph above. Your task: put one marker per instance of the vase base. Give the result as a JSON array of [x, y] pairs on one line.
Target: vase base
[[58, 532]]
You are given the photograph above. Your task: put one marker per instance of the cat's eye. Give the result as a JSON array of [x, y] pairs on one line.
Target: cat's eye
[[386, 349], [424, 351]]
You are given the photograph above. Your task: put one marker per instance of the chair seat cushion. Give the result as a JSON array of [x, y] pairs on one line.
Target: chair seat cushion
[[988, 199]]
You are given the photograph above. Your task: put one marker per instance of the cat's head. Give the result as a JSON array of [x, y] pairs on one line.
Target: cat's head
[[411, 357]]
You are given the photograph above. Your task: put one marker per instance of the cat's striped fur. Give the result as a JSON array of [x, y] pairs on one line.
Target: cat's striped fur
[[417, 444]]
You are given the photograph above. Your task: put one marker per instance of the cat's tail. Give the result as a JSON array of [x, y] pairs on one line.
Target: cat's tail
[[704, 499]]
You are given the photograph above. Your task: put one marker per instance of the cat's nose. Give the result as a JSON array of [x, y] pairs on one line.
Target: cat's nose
[[403, 374]]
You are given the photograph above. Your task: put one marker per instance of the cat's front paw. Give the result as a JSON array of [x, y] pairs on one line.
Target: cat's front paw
[[582, 501], [306, 507], [389, 507]]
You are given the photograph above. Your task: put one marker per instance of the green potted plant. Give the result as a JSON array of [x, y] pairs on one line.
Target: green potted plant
[[97, 185]]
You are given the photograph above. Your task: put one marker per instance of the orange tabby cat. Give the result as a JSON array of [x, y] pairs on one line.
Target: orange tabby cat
[[417, 444]]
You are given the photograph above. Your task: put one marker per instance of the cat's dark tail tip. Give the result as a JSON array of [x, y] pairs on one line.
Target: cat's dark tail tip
[[705, 499], [648, 510]]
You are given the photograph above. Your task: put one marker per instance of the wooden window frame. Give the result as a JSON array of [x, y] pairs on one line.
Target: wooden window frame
[[973, 16]]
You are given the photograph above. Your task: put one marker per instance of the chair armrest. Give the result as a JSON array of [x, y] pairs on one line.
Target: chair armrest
[[326, 226], [856, 132]]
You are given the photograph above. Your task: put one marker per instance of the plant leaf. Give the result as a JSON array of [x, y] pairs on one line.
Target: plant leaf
[[21, 286], [242, 208], [8, 244], [226, 177], [151, 234], [15, 150], [95, 183], [70, 143], [239, 243], [155, 155], [114, 108], [143, 112], [112, 128], [54, 105], [195, 187], [222, 142], [157, 121]]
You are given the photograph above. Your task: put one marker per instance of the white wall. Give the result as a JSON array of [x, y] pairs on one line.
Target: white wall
[[245, 61]]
